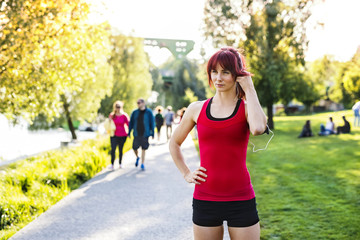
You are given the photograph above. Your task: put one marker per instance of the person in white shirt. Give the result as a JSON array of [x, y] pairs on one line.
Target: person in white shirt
[[328, 129], [356, 109]]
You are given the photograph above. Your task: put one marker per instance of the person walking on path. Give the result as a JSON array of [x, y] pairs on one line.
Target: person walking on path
[[223, 189], [118, 137], [159, 120], [356, 109], [142, 123], [169, 119]]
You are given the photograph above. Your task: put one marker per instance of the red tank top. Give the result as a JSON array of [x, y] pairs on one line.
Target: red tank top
[[223, 146]]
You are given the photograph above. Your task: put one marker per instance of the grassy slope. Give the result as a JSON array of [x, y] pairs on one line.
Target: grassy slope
[[308, 188]]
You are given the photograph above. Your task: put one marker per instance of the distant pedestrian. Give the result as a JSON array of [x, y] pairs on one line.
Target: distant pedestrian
[[345, 128], [328, 129], [159, 120], [223, 189], [356, 109], [142, 123], [306, 131], [121, 121], [169, 120]]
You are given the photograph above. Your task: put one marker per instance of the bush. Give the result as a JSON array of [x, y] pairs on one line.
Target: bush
[[28, 188]]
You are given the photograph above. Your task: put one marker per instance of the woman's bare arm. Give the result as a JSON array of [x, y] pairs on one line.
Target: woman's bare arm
[[255, 114], [187, 123]]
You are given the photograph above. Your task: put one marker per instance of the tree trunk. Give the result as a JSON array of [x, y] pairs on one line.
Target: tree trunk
[[269, 107], [69, 121]]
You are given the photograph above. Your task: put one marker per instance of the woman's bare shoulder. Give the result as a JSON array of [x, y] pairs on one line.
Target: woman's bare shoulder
[[194, 109], [196, 105]]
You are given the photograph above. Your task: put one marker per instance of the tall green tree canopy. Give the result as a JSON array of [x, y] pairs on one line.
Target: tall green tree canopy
[[52, 61], [273, 36], [323, 72], [351, 78], [131, 73], [185, 86], [347, 81], [28, 30]]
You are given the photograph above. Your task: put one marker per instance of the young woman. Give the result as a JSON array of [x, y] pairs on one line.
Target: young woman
[[223, 190], [121, 120]]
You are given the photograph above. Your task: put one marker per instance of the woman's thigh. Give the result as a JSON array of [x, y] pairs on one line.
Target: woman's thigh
[[208, 233], [245, 233]]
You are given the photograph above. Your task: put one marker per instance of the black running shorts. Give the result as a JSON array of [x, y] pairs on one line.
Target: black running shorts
[[142, 142], [236, 213]]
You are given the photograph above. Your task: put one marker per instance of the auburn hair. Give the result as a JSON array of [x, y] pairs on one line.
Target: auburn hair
[[232, 60]]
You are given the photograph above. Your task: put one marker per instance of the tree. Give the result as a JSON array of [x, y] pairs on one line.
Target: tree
[[323, 72], [306, 92], [352, 81], [27, 87], [52, 61], [88, 70], [338, 92], [189, 97], [274, 40], [131, 73], [347, 81], [185, 77], [352, 76]]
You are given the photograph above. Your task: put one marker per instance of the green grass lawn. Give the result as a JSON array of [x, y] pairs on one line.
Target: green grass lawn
[[308, 188], [29, 187]]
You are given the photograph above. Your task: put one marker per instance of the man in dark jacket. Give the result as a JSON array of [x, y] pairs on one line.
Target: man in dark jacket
[[142, 123], [345, 128]]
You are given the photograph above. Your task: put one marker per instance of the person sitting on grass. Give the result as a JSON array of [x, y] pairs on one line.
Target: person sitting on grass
[[329, 129], [306, 131], [345, 128]]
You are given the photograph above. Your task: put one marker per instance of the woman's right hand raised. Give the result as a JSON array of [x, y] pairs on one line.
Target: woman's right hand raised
[[196, 176]]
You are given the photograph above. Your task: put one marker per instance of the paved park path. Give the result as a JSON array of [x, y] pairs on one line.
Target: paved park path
[[124, 204]]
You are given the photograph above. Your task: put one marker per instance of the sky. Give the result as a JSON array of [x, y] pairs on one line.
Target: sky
[[182, 19]]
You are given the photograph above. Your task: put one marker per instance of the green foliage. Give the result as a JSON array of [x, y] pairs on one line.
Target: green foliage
[[352, 80], [88, 70], [29, 42], [28, 188], [338, 92], [274, 40], [52, 61], [305, 91], [322, 73], [189, 97], [131, 73], [203, 77], [185, 77], [222, 20], [347, 81], [308, 188]]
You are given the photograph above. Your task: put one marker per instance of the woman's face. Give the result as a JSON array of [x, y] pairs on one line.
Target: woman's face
[[222, 79]]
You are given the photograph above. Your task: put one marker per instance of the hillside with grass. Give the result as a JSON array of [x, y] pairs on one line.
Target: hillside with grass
[[307, 188]]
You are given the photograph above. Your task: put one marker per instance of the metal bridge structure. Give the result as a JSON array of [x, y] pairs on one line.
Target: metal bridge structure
[[178, 48]]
